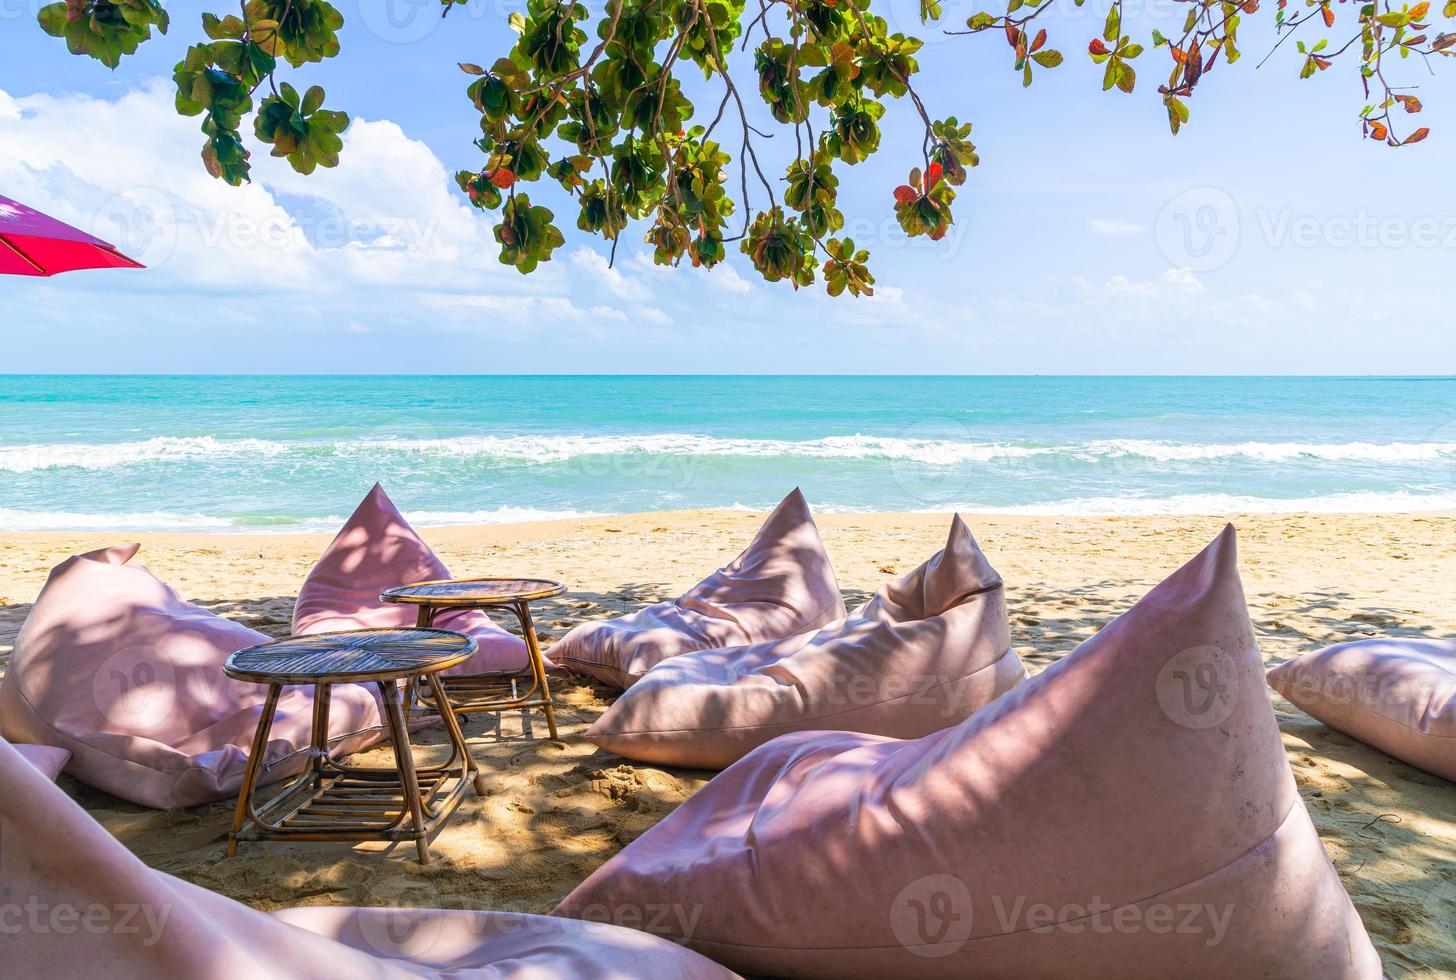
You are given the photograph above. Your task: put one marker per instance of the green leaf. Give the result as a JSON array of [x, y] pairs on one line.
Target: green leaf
[[313, 99], [1113, 26]]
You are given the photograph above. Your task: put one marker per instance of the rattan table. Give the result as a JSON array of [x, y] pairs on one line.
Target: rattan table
[[500, 691], [334, 802]]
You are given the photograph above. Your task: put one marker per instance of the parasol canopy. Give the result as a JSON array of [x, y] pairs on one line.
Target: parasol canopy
[[34, 244]]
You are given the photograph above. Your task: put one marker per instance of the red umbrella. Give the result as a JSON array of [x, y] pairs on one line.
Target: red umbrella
[[33, 244]]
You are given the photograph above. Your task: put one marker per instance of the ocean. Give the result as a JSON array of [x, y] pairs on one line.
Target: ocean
[[296, 453]]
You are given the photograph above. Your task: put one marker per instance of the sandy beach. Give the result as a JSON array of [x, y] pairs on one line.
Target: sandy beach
[[557, 810]]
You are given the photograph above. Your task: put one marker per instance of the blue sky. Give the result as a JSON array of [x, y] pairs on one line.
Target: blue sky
[[1266, 238]]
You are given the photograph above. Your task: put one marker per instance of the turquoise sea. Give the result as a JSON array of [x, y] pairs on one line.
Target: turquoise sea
[[296, 453]]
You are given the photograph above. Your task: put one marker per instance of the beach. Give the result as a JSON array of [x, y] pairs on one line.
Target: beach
[[556, 810]]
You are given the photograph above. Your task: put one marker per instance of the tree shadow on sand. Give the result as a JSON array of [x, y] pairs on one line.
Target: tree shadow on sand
[[556, 811]]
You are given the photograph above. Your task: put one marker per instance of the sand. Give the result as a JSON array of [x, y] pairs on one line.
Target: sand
[[557, 810]]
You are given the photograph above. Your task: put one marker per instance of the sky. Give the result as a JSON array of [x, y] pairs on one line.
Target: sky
[[1266, 238]]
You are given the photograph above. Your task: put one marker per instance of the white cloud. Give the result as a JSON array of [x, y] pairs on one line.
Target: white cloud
[[722, 276], [128, 170], [726, 278], [1172, 284], [516, 313], [595, 265], [651, 314], [1115, 227]]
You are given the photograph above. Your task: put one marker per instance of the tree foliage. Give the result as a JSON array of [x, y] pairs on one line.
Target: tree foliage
[[596, 106]]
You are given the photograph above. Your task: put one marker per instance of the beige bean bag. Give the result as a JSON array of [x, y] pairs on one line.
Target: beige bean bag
[[375, 550], [781, 585], [78, 904], [47, 758], [1127, 813], [927, 651], [116, 668], [1398, 695]]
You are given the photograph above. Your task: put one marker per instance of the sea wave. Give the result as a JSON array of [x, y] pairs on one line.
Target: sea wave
[[1181, 504], [106, 455], [1372, 452], [1395, 502], [529, 450], [501, 515], [59, 520]]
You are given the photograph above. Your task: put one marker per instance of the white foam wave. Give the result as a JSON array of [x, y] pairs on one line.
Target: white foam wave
[[1370, 452], [548, 449], [101, 456], [558, 449], [1397, 502], [60, 520], [501, 515], [1185, 504]]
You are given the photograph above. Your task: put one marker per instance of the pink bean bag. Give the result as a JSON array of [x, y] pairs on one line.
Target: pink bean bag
[[376, 549], [1129, 812], [47, 758], [930, 649], [1397, 695], [99, 912], [117, 669], [780, 586]]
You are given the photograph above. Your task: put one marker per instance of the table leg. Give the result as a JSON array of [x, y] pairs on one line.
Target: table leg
[[255, 764], [424, 619], [538, 666], [404, 759], [452, 725], [319, 742]]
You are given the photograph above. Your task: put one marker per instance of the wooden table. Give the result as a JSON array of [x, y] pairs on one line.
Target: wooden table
[[498, 691], [334, 802]]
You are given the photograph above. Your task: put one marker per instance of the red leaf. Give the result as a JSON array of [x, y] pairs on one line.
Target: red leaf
[[932, 175], [1378, 131], [1097, 47], [1177, 53], [1418, 135], [1013, 34], [1328, 15], [906, 194], [502, 177], [1040, 40]]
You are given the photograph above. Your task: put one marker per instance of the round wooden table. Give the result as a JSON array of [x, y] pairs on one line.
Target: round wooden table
[[498, 691], [334, 802]]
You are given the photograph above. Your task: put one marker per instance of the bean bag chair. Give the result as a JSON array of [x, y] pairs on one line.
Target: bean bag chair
[[1129, 812], [376, 549], [780, 586], [114, 667], [47, 758], [927, 651], [1397, 695], [105, 914]]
